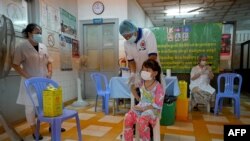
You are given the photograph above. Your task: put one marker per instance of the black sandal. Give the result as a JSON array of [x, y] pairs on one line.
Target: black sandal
[[196, 108], [62, 129], [212, 110], [40, 136]]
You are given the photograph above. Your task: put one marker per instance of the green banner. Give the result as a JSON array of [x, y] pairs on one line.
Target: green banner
[[180, 46]]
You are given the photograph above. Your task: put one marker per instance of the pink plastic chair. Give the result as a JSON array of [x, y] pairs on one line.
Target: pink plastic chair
[[39, 84]]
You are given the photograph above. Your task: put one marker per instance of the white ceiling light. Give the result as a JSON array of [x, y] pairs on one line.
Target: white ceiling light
[[182, 11], [20, 22]]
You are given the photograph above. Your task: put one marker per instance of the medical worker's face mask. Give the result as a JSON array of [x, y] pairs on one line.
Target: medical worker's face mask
[[132, 39], [37, 38], [203, 63], [146, 75]]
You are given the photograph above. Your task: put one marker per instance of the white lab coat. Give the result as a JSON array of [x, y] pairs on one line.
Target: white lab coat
[[34, 63], [139, 51], [202, 82]]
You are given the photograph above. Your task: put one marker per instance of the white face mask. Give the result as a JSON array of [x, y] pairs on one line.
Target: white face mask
[[203, 63], [146, 75], [132, 39], [37, 38]]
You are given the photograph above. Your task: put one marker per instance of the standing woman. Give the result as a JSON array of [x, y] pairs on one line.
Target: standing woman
[[31, 59]]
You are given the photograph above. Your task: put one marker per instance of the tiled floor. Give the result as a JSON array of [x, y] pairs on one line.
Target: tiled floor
[[96, 126]]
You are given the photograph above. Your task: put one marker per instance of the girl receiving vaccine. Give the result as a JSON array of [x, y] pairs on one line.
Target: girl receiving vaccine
[[150, 102]]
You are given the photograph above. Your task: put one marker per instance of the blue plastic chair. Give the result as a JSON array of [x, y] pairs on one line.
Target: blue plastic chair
[[38, 84], [230, 81], [102, 89]]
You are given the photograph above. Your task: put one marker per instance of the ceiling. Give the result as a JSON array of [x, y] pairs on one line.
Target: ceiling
[[209, 11]]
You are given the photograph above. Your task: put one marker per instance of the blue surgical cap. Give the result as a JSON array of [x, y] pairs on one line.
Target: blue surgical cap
[[127, 27]]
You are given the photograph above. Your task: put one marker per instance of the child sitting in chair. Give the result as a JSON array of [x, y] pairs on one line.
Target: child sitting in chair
[[150, 103]]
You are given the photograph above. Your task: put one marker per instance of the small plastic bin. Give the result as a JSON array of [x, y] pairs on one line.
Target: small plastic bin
[[168, 111], [182, 109], [183, 89]]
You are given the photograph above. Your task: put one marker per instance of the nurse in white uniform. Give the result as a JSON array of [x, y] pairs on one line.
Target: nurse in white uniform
[[140, 45], [31, 59]]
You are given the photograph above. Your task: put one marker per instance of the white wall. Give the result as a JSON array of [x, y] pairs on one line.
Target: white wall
[[112, 9], [148, 22], [242, 36], [67, 79], [136, 14]]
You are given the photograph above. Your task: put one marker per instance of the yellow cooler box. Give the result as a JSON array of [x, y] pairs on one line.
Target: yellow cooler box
[[182, 109], [52, 102]]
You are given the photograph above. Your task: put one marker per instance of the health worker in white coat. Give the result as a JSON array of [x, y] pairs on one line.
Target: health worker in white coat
[[201, 90], [31, 59], [139, 46]]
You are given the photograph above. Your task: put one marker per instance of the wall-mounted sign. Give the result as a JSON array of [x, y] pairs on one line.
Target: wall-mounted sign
[[225, 44], [65, 52], [68, 22], [98, 21]]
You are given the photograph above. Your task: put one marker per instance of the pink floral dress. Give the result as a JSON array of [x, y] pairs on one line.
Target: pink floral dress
[[153, 97]]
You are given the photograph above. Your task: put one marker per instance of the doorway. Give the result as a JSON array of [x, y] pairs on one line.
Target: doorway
[[100, 44]]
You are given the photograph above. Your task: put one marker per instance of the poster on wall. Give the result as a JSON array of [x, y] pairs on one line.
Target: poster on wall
[[50, 39], [65, 52], [49, 17], [180, 46], [225, 44], [17, 11], [68, 22], [75, 49]]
